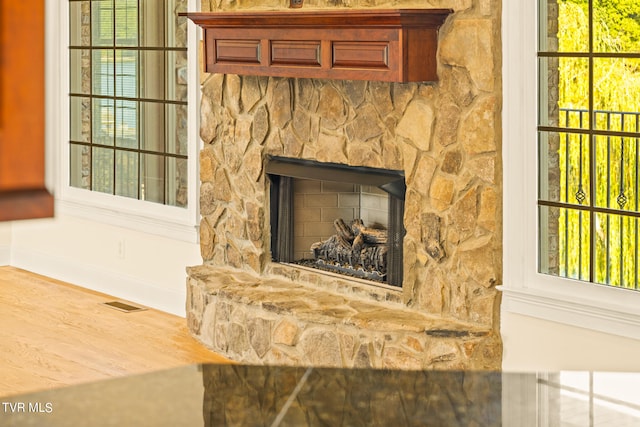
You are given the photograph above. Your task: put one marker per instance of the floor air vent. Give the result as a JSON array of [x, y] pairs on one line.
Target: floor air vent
[[121, 306]]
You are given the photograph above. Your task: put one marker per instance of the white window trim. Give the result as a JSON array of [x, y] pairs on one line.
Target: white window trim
[[168, 221], [525, 291]]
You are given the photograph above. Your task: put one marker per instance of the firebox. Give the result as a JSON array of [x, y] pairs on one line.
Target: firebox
[[337, 218]]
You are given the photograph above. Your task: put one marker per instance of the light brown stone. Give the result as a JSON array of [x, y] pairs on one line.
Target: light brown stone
[[213, 88], [206, 165], [237, 338], [488, 209], [255, 221], [252, 160], [242, 136], [457, 83], [413, 207], [392, 156], [464, 214], [425, 169], [481, 309], [417, 123], [483, 167], [280, 101], [292, 145], [446, 126], [259, 332], [221, 189], [366, 124], [251, 93], [395, 358], [208, 127], [452, 162], [431, 293], [476, 35], [381, 96], [409, 157], [235, 226], [363, 154], [479, 264], [286, 332], [486, 7], [442, 351], [273, 144], [321, 347], [207, 240], [332, 109], [253, 259], [477, 130], [233, 256], [306, 95], [278, 356], [355, 91], [441, 192], [260, 125], [414, 344], [231, 97], [402, 95], [431, 236], [232, 156], [347, 346], [207, 198], [362, 359]]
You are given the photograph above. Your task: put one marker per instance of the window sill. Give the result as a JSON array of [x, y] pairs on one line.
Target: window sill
[[165, 221], [607, 310]]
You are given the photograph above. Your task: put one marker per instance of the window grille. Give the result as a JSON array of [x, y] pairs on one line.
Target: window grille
[[128, 107], [589, 140]]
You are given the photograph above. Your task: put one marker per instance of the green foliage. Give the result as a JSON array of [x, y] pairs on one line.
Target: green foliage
[[616, 88]]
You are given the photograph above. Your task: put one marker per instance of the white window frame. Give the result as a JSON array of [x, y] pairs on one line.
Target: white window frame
[[168, 221], [525, 291]]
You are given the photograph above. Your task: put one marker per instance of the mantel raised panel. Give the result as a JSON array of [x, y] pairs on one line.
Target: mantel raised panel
[[397, 45]]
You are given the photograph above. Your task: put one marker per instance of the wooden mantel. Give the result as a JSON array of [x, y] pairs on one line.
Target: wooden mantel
[[396, 45]]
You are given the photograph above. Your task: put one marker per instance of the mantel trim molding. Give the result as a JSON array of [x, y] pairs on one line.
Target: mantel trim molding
[[395, 45]]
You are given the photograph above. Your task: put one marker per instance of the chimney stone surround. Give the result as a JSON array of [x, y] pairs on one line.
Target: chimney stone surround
[[444, 136]]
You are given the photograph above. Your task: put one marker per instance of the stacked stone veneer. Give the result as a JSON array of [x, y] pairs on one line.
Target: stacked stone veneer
[[445, 136]]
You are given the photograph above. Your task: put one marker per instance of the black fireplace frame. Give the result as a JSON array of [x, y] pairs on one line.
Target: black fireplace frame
[[281, 172]]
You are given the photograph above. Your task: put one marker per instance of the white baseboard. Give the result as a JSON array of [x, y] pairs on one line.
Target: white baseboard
[[101, 279]]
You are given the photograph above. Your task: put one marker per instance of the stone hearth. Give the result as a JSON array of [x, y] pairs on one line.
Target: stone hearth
[[274, 320], [443, 136]]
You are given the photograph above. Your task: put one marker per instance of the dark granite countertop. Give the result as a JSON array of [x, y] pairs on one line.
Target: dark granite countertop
[[240, 395]]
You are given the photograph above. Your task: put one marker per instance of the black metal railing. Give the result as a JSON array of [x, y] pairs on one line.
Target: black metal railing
[[598, 206]]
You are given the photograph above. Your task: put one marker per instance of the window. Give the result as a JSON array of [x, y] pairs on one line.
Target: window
[[528, 287], [128, 99], [589, 140]]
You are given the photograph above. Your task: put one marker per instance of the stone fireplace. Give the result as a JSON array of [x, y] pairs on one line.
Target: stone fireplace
[[253, 302], [337, 218]]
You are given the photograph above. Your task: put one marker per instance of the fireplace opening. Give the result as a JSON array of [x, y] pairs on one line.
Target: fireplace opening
[[337, 218]]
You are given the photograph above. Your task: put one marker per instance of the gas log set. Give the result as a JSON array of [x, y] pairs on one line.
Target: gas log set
[[355, 249]]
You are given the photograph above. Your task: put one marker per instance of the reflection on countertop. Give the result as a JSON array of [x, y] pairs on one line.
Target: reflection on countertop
[[240, 395]]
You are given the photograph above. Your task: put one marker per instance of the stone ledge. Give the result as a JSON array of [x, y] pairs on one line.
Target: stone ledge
[[272, 320]]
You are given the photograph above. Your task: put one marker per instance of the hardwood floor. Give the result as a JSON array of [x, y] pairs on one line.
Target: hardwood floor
[[53, 334]]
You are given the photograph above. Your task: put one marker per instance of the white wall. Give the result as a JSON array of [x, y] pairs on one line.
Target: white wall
[[532, 344], [128, 264], [5, 242]]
